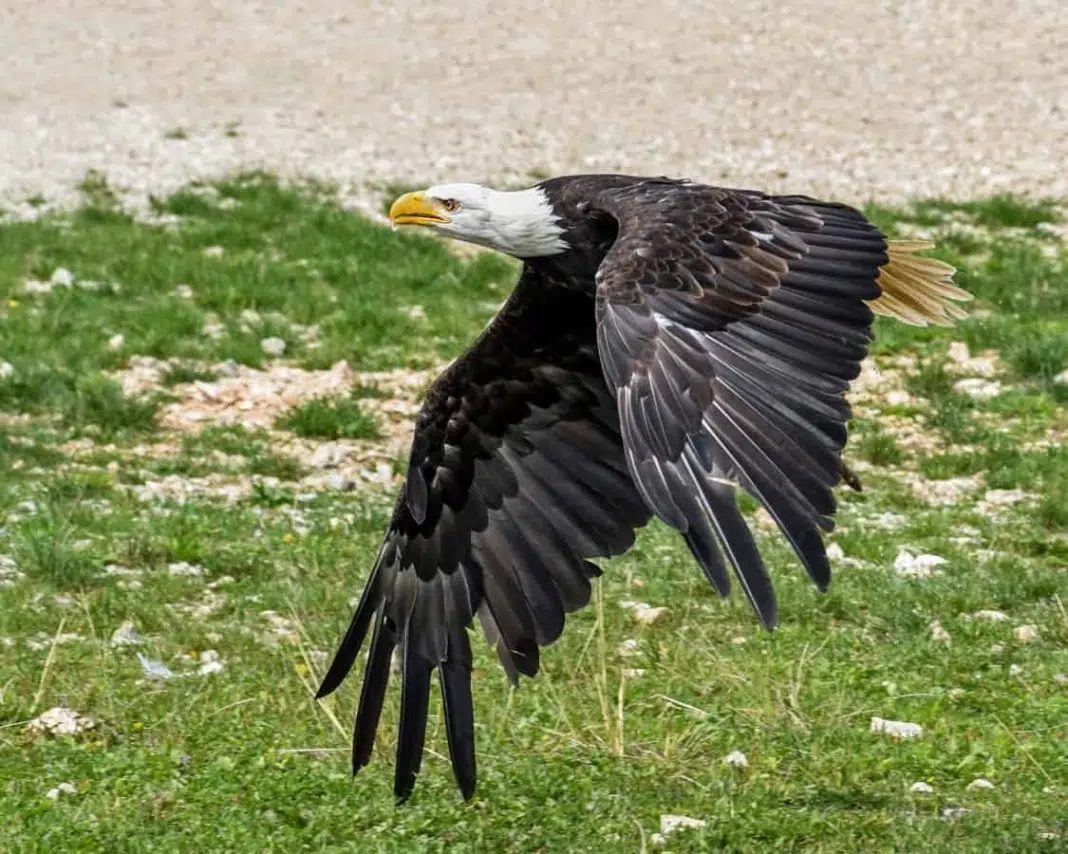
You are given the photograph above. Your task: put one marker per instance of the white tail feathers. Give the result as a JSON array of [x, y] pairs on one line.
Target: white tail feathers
[[918, 290]]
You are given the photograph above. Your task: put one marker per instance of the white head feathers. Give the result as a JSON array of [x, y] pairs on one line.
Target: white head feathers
[[519, 223]]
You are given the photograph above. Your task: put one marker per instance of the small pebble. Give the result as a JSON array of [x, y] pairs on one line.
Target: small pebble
[[1025, 633], [922, 788], [181, 568], [61, 721], [154, 669], [209, 662], [908, 565], [990, 616], [126, 635], [628, 648], [671, 823], [340, 482], [61, 789], [328, 455], [977, 388], [62, 277], [897, 729], [980, 783], [644, 613], [273, 346]]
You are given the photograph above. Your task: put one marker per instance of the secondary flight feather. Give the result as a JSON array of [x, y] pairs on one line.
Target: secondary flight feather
[[667, 343]]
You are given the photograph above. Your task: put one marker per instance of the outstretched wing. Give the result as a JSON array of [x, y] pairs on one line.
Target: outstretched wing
[[730, 325], [516, 478]]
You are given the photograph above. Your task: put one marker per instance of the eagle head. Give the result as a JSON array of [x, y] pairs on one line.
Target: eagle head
[[519, 223]]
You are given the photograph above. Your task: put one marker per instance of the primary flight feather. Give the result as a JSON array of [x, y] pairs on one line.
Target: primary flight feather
[[667, 343]]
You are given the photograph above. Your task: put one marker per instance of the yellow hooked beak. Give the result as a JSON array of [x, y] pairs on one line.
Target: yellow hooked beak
[[416, 209]]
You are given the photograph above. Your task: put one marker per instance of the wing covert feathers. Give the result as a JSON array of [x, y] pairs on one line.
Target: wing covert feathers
[[917, 290]]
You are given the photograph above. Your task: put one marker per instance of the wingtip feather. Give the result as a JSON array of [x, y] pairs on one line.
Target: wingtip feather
[[918, 290]]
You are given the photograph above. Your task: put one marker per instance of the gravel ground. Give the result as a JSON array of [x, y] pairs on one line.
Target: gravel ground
[[883, 99]]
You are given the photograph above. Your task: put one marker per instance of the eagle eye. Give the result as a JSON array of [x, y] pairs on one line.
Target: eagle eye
[[450, 204]]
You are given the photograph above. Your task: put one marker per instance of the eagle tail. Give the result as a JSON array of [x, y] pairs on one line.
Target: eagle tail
[[918, 290]]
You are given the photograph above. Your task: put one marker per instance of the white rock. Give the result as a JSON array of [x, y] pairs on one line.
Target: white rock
[[1061, 679], [214, 251], [213, 327], [116, 569], [181, 568], [228, 369], [9, 571], [997, 648], [670, 823], [1005, 496], [887, 519], [281, 628], [897, 729], [990, 616], [7, 370], [209, 662], [61, 721], [980, 783], [340, 482], [126, 635], [62, 277], [954, 813], [995, 501], [34, 286], [61, 789], [116, 341], [628, 648], [958, 352], [1015, 670], [1062, 377], [978, 388], [834, 552], [922, 788], [328, 455], [642, 612], [273, 346], [154, 669], [952, 490], [736, 759], [908, 565], [251, 317], [1025, 633], [939, 634], [183, 291]]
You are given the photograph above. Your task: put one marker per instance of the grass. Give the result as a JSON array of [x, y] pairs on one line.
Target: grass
[[331, 418], [611, 735]]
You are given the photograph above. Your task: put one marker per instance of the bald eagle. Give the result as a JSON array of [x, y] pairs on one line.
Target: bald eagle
[[666, 344]]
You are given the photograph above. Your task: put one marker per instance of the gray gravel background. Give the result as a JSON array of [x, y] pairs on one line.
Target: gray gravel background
[[852, 99]]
